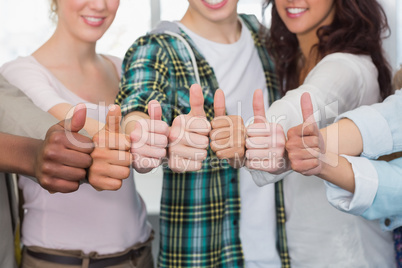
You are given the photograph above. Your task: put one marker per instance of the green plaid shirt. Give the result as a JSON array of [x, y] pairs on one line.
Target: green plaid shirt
[[200, 211]]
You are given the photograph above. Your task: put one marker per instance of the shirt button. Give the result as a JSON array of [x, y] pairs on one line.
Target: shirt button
[[233, 180], [387, 222], [234, 222]]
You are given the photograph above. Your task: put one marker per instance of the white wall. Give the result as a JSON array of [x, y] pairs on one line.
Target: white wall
[[391, 43], [25, 25], [399, 31]]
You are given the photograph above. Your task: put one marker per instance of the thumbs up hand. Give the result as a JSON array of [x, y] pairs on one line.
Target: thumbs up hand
[[111, 156], [228, 133], [188, 137], [265, 142], [64, 154], [305, 144], [149, 139]]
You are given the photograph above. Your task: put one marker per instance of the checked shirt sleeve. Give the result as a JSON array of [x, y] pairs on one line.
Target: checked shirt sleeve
[[145, 77]]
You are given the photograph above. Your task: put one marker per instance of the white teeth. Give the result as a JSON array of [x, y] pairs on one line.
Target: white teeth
[[92, 19], [214, 2], [296, 10]]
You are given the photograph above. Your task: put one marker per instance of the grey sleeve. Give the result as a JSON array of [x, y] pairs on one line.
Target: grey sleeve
[[18, 114]]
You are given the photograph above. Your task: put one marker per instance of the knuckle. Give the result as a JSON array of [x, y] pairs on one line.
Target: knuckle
[[291, 133], [87, 161], [162, 153], [315, 140], [95, 138], [125, 173], [164, 141], [45, 182], [135, 136], [213, 146], [203, 155], [292, 156], [220, 155], [81, 174], [47, 168], [295, 166], [173, 135], [56, 137], [102, 139], [241, 152], [49, 152], [204, 142], [112, 185], [164, 127], [95, 169], [74, 187], [96, 153]]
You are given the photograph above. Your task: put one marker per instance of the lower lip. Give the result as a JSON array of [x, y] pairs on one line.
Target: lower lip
[[94, 23], [217, 6], [293, 15]]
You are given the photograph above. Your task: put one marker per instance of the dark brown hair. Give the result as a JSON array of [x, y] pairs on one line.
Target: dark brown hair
[[358, 28]]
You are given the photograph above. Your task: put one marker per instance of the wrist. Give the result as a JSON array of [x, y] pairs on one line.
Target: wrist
[[31, 159], [237, 162], [129, 121]]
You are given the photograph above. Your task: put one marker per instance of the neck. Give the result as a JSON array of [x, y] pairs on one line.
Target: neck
[[309, 60], [224, 32], [74, 51], [306, 42]]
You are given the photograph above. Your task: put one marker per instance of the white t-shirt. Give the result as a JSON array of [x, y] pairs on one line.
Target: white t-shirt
[[239, 72], [105, 222], [319, 235]]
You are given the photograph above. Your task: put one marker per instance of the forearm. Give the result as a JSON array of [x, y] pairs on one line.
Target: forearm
[[343, 137], [18, 154], [130, 120], [63, 111], [337, 170]]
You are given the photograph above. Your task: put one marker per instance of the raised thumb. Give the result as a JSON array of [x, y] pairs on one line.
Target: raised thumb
[[154, 110], [196, 101], [77, 121], [307, 108], [219, 103], [258, 107], [113, 118]]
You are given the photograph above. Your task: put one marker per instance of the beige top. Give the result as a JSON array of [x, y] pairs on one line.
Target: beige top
[[104, 222]]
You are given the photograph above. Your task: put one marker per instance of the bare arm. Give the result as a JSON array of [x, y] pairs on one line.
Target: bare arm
[[64, 110], [17, 154], [129, 121], [343, 137]]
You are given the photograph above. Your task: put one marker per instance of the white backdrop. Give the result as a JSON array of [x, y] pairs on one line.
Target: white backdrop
[[25, 24]]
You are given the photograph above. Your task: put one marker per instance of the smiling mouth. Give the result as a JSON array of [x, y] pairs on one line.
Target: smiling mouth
[[214, 2], [296, 10], [93, 19]]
